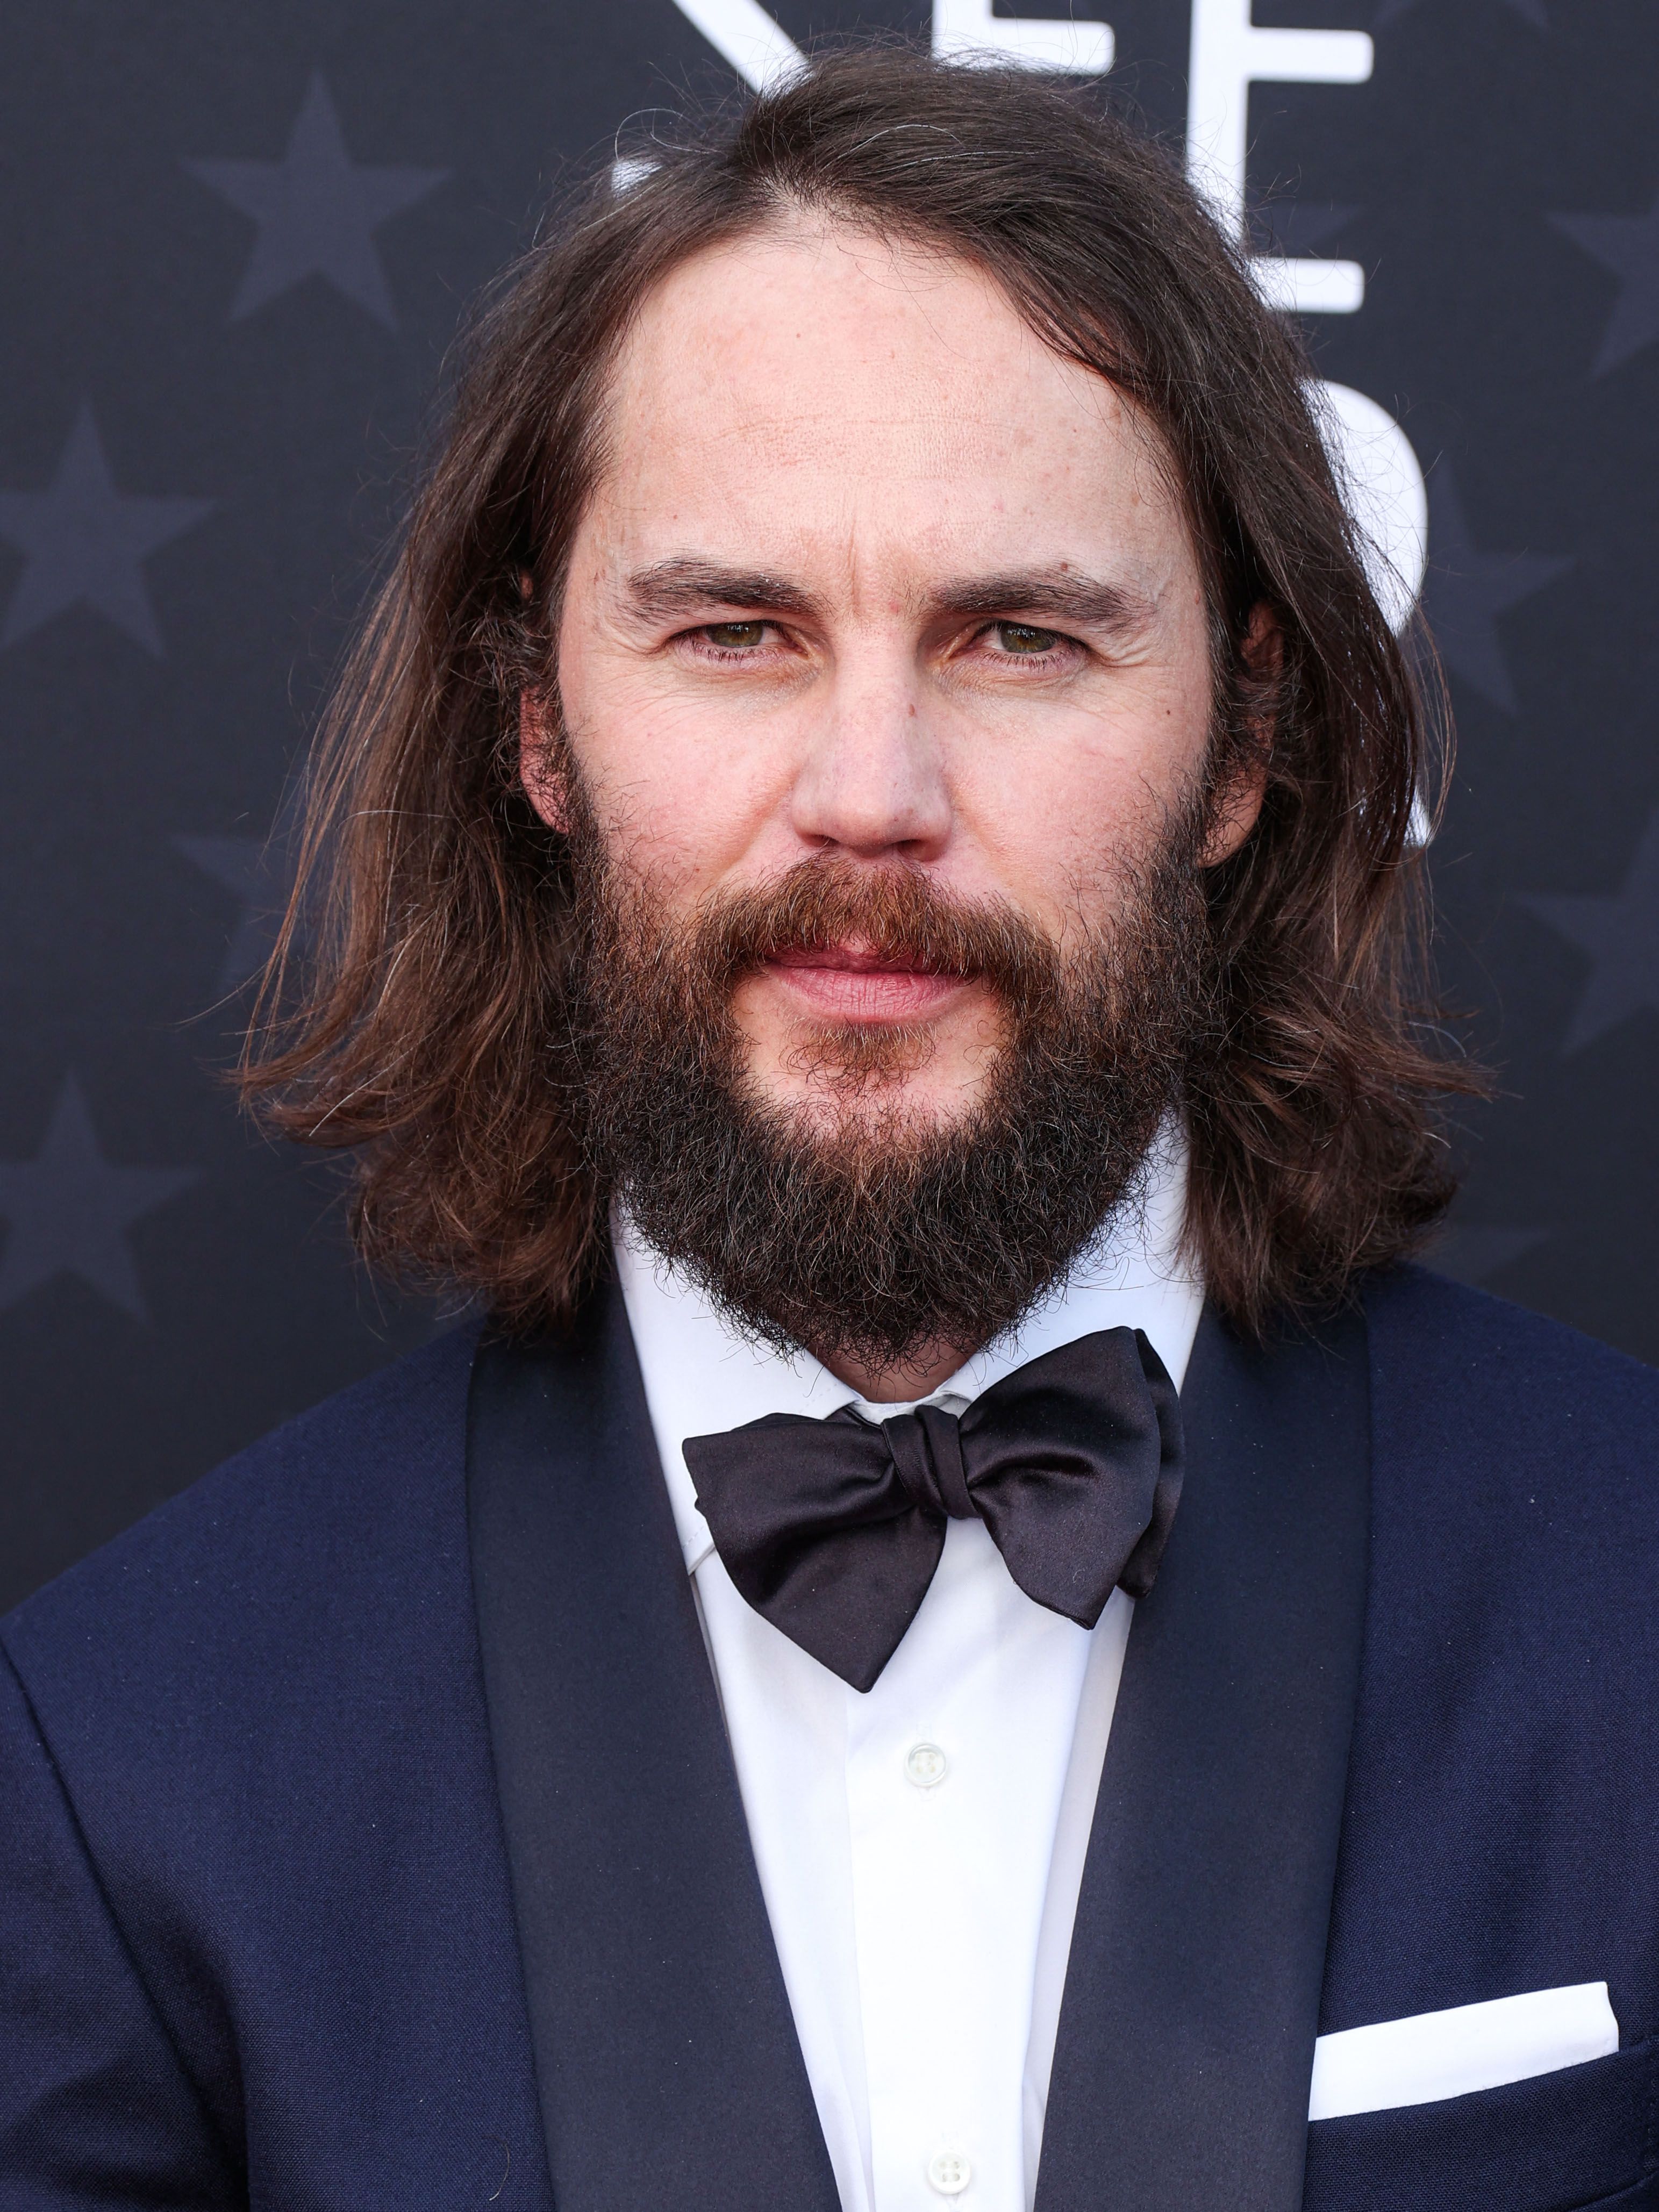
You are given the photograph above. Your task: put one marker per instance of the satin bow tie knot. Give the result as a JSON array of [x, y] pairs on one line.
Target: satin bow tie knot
[[832, 1530], [926, 1449]]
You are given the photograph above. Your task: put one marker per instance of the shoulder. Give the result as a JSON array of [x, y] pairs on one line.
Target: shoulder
[[1487, 1342], [342, 1514], [251, 1754], [1514, 1464], [1455, 1368]]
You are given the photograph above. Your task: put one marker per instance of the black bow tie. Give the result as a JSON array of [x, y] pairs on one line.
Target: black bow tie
[[832, 1529]]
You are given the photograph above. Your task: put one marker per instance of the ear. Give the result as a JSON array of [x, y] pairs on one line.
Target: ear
[[1239, 803], [544, 784]]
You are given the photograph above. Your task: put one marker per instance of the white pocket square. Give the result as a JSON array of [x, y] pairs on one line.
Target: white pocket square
[[1448, 2054]]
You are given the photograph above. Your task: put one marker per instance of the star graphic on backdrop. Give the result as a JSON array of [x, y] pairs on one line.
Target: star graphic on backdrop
[[68, 1210], [249, 869], [1628, 245], [1530, 11], [318, 211], [1472, 1254], [84, 543], [1619, 930], [1465, 592]]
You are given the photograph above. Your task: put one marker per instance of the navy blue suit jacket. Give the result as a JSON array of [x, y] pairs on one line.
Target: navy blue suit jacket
[[368, 1836]]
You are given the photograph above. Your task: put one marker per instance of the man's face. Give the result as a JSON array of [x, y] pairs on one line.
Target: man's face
[[872, 578]]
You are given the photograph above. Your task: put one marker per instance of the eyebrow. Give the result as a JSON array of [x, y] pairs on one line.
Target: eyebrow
[[687, 586], [1061, 595]]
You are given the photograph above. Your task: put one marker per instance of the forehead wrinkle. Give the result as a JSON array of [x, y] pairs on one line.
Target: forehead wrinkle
[[781, 427], [937, 435]]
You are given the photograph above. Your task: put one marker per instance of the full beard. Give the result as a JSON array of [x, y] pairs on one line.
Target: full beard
[[868, 1232]]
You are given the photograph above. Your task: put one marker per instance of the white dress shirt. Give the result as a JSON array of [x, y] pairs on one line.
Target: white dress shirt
[[919, 1845]]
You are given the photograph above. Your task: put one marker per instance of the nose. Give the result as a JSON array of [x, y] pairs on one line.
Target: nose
[[872, 781]]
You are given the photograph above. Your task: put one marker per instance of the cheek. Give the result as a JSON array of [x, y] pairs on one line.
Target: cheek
[[1052, 817], [681, 789]]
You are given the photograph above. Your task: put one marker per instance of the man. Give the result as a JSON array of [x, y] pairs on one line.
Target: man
[[967, 1629]]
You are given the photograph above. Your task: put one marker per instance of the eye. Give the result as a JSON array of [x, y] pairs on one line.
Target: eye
[[1024, 639], [737, 637]]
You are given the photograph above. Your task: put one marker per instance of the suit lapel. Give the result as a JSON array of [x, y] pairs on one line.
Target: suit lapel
[[665, 2054], [1187, 2029]]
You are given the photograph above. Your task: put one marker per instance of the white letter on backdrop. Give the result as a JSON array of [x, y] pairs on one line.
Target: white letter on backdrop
[[1383, 485], [1382, 482], [742, 32], [966, 30], [1229, 54], [1374, 457]]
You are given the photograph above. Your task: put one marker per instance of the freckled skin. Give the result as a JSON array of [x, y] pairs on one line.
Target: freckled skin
[[870, 427]]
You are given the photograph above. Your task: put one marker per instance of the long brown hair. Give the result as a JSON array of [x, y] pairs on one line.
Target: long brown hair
[[418, 1005]]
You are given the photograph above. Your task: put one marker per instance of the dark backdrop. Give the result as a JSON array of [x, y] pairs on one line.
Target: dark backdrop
[[237, 242]]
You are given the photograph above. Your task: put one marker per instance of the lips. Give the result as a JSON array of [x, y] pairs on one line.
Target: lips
[[850, 982]]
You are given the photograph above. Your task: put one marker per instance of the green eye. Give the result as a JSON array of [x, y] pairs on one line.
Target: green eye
[[1023, 638], [735, 637]]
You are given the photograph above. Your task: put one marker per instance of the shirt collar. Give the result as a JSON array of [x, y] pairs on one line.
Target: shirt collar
[[701, 1374]]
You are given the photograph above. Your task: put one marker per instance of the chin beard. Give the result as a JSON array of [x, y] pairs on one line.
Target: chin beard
[[865, 1230]]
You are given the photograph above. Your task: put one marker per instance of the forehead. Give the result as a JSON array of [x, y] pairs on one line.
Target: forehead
[[815, 388]]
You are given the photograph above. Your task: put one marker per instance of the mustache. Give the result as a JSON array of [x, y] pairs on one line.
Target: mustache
[[894, 911]]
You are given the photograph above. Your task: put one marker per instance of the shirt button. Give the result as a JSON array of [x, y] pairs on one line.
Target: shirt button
[[950, 2172], [925, 1764]]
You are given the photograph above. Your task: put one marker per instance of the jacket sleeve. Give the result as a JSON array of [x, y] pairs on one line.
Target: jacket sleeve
[[96, 2109]]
